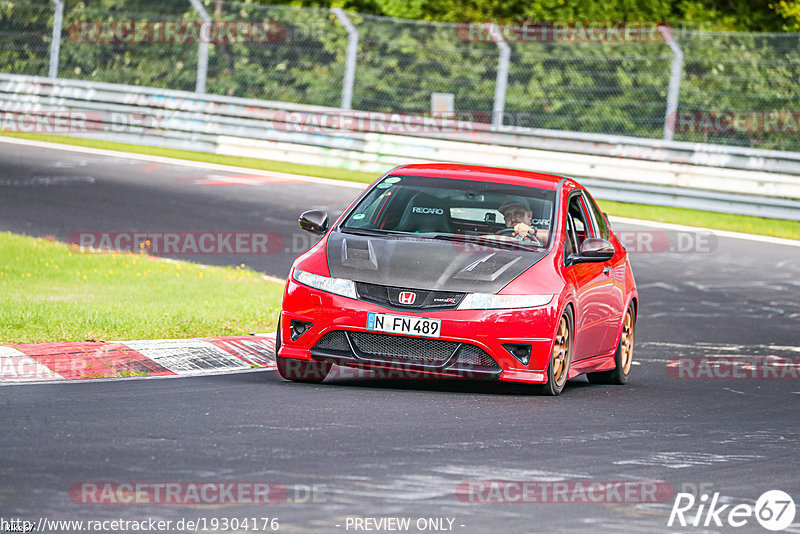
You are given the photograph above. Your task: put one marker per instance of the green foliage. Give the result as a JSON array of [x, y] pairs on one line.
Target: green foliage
[[711, 15], [789, 10], [586, 86]]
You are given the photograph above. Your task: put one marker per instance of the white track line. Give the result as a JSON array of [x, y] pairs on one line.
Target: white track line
[[181, 162], [126, 378], [356, 185]]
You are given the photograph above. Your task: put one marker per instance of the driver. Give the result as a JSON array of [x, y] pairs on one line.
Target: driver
[[517, 215]]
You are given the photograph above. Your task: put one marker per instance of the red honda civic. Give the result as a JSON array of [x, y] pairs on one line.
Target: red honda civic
[[456, 271]]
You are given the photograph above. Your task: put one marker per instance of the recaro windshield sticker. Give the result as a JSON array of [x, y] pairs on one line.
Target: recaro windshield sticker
[[427, 211]]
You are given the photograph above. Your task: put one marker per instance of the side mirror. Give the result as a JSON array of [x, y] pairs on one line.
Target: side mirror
[[314, 221], [597, 248], [593, 249]]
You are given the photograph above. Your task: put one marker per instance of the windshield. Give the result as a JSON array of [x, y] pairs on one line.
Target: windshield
[[442, 208]]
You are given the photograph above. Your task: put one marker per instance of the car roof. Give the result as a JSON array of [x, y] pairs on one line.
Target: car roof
[[477, 172]]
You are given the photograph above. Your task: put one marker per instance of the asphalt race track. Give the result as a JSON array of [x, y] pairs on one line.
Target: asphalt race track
[[376, 448]]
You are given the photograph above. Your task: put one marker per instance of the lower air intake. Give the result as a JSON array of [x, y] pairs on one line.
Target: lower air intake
[[407, 350]]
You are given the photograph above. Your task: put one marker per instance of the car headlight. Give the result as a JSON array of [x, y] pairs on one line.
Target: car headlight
[[489, 301], [338, 286]]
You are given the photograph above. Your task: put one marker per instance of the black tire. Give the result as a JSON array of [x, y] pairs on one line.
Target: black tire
[[561, 358], [623, 358], [298, 370]]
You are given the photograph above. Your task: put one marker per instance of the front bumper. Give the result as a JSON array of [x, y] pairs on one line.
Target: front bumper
[[476, 338], [412, 355]]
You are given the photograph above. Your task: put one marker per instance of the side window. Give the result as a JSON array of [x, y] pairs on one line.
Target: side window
[[602, 225], [578, 227], [571, 247]]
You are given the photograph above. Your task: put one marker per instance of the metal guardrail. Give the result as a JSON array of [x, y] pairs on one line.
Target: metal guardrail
[[630, 78], [710, 177]]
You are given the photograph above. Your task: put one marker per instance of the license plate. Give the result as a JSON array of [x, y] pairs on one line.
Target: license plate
[[402, 324]]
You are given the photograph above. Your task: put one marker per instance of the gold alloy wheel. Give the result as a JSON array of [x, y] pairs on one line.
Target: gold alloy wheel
[[626, 342], [561, 350]]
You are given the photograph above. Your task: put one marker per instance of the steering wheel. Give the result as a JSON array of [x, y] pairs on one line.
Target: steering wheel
[[509, 232], [505, 231]]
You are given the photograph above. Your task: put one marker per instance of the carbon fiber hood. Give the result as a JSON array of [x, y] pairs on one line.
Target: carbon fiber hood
[[425, 263]]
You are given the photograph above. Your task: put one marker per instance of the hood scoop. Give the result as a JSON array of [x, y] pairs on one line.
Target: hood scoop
[[359, 255], [488, 268]]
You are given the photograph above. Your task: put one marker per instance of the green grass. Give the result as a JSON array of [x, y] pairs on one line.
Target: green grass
[[50, 293], [706, 219]]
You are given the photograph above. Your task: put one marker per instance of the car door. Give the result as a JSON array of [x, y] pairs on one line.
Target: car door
[[615, 269], [591, 282]]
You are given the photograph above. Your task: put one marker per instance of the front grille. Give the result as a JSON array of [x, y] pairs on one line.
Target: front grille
[[335, 340], [472, 356], [408, 350], [424, 299]]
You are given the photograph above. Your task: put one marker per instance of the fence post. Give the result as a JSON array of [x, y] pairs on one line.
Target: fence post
[[350, 61], [502, 76], [55, 44], [202, 50], [676, 72]]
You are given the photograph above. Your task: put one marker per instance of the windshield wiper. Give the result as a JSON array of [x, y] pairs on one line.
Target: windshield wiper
[[487, 240], [370, 231]]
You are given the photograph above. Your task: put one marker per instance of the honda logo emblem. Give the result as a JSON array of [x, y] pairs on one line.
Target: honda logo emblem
[[407, 297]]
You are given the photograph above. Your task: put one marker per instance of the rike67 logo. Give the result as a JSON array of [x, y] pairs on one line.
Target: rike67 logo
[[774, 510]]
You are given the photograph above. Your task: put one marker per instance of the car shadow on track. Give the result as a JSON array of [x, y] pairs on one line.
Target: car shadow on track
[[437, 385]]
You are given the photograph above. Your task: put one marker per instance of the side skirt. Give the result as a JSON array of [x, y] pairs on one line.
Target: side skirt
[[604, 362]]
